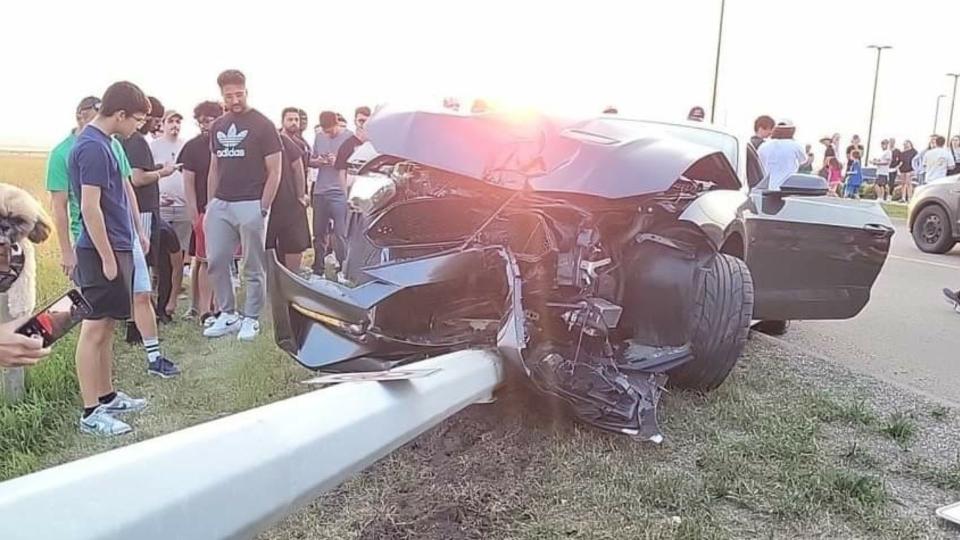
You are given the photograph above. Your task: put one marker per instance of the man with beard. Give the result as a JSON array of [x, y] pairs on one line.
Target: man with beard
[[245, 165], [173, 210], [195, 158], [287, 230], [329, 193]]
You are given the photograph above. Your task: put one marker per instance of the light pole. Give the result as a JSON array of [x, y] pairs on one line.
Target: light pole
[[873, 102], [936, 112], [953, 101], [716, 67]]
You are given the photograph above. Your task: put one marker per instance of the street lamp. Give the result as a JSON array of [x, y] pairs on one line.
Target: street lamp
[[716, 67], [936, 112], [953, 101], [873, 103]]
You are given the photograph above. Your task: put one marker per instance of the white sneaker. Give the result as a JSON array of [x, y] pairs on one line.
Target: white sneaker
[[102, 423], [226, 323], [123, 404], [249, 329]]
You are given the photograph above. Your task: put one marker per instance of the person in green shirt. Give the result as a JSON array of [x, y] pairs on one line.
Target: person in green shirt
[[66, 217]]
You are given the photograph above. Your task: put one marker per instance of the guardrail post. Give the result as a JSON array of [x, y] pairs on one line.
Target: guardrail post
[[11, 379]]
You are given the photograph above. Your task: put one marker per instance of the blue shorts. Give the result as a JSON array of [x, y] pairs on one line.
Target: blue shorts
[[141, 274]]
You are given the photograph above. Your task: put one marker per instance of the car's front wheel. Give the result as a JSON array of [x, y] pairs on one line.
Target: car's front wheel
[[931, 230], [721, 321]]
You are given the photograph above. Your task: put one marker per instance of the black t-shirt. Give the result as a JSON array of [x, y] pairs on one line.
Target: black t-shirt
[[906, 160], [287, 192], [895, 159], [829, 153], [195, 157], [345, 151], [241, 142], [756, 141], [140, 157]]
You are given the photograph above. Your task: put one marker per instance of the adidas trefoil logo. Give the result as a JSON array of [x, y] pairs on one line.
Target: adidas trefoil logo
[[230, 140]]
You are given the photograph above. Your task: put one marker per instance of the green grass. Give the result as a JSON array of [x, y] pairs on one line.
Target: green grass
[[220, 377], [895, 211], [901, 428]]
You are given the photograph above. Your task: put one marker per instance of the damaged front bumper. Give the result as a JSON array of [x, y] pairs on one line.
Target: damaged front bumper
[[333, 328]]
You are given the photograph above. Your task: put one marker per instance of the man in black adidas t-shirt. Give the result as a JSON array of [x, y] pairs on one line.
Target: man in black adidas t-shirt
[[245, 166]]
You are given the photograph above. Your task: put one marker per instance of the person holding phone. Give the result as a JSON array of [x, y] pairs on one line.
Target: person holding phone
[[329, 193], [17, 350], [104, 254]]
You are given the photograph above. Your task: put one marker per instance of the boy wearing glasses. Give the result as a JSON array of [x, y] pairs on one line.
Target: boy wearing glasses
[[104, 254]]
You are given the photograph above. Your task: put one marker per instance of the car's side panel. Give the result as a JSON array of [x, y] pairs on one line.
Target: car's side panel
[[715, 213], [814, 257]]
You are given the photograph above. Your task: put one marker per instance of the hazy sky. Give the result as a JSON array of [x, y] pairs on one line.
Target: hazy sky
[[805, 60]]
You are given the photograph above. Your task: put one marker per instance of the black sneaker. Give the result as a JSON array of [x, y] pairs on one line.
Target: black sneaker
[[163, 368], [953, 297]]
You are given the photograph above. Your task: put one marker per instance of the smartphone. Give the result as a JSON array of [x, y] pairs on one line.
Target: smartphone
[[58, 318]]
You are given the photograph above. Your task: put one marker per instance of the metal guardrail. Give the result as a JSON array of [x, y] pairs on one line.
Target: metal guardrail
[[234, 477]]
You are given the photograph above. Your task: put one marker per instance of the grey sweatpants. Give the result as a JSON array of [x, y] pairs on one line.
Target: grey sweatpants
[[227, 225]]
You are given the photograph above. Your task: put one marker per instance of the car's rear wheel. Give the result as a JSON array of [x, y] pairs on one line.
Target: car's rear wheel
[[931, 230], [721, 321]]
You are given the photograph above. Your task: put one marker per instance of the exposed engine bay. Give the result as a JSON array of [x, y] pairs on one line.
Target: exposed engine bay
[[589, 300]]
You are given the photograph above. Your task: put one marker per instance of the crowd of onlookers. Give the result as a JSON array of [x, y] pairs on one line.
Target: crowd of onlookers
[[895, 172], [135, 205]]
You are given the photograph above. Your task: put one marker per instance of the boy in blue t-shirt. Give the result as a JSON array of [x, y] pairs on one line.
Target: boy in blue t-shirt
[[854, 176], [104, 256]]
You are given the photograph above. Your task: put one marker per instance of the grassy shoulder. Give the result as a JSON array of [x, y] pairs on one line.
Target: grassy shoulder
[[220, 377], [895, 211], [788, 447]]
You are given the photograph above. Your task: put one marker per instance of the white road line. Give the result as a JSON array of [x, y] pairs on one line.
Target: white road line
[[931, 263]]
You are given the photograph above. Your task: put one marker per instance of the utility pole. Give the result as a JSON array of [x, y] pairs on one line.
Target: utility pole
[[716, 67], [936, 113], [953, 102], [873, 102]]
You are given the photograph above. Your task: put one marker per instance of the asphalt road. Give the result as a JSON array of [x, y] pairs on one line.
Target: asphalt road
[[907, 334]]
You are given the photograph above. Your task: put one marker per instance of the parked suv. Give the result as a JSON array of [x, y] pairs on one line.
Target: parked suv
[[934, 213]]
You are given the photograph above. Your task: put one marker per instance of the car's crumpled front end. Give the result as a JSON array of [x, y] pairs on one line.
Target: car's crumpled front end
[[589, 297]]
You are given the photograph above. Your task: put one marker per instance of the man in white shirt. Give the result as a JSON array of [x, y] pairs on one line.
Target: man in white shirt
[[882, 163], [781, 155], [173, 199], [937, 160]]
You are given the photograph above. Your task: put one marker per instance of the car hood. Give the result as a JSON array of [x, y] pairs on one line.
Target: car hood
[[603, 157]]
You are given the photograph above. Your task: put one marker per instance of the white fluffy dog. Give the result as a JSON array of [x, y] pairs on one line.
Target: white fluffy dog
[[22, 224]]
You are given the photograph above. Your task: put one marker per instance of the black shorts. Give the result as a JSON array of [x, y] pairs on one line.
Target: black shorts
[[289, 233], [883, 180], [110, 299]]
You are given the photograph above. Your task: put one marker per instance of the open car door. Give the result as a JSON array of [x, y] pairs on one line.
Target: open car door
[[813, 257]]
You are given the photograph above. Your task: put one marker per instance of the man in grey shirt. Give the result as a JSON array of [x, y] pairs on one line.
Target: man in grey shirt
[[329, 194]]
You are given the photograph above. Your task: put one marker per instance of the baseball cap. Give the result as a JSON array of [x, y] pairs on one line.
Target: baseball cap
[[785, 124], [171, 113], [89, 102]]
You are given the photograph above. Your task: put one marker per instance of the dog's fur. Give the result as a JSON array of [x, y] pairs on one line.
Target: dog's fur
[[23, 222]]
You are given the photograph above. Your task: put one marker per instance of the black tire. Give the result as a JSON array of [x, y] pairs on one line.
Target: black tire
[[932, 232], [722, 319], [772, 328]]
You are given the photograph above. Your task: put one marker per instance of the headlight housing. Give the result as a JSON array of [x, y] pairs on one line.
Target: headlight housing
[[371, 192]]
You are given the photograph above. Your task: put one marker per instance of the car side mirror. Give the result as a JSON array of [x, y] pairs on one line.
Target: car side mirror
[[809, 185]]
